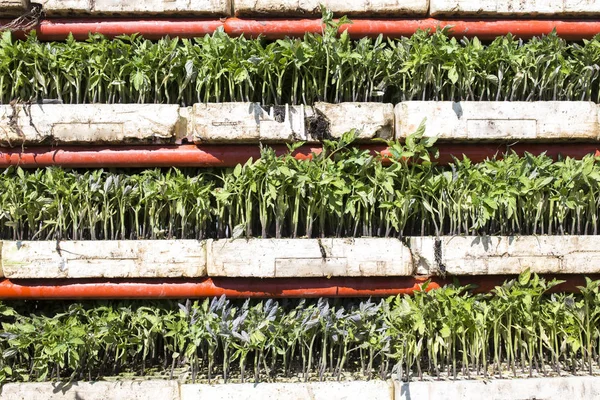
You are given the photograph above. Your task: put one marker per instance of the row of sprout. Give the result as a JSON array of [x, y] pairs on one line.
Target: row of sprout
[[517, 329], [341, 192], [318, 67]]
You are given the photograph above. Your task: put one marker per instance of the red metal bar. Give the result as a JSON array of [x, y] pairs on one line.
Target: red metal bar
[[247, 287], [230, 155], [59, 29]]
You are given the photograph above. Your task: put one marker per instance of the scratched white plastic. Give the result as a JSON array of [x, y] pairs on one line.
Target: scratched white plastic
[[103, 259], [490, 120], [280, 258], [126, 7], [89, 123], [555, 8], [498, 255]]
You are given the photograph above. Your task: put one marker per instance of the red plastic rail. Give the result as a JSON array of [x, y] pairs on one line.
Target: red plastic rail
[[230, 155], [484, 29], [247, 287], [60, 28], [231, 287]]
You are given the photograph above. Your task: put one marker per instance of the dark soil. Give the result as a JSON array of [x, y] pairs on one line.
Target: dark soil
[[279, 113], [317, 126]]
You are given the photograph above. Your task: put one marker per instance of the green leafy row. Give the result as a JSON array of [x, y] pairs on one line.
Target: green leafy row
[[516, 329], [341, 192], [327, 67]]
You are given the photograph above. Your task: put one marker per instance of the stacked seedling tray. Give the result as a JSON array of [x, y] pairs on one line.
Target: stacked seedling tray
[[319, 212]]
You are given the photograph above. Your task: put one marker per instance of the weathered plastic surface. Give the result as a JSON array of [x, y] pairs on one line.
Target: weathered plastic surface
[[490, 120], [121, 390], [491, 8], [370, 120], [13, 8], [554, 388], [88, 123], [133, 8], [365, 8], [180, 7], [281, 258], [301, 258], [239, 123], [373, 390], [499, 255], [251, 123], [66, 7], [245, 123], [103, 259]]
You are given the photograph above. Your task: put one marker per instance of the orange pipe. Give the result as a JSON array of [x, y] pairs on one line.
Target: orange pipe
[[58, 29], [484, 29], [481, 28], [138, 156], [47, 289], [207, 287], [272, 28], [230, 155]]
